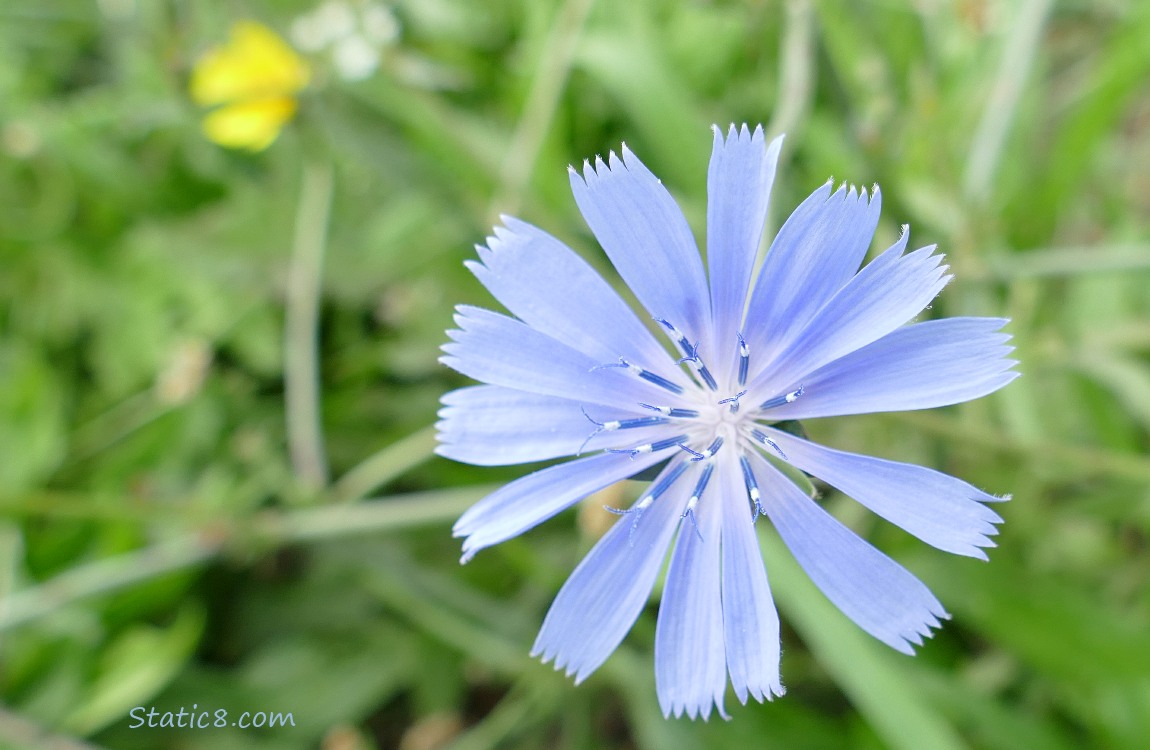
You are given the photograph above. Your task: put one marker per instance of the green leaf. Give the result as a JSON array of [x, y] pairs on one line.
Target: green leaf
[[136, 666], [32, 440]]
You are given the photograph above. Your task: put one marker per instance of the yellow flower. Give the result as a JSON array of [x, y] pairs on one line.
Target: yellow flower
[[254, 80]]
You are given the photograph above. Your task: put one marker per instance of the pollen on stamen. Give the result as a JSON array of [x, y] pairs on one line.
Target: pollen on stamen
[[694, 501], [647, 375], [734, 401], [645, 502], [671, 411], [787, 398], [679, 336], [690, 353], [708, 453], [639, 507], [744, 360], [765, 440], [654, 447], [617, 424], [752, 489]]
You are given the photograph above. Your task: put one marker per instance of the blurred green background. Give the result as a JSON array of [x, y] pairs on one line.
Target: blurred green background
[[200, 504]]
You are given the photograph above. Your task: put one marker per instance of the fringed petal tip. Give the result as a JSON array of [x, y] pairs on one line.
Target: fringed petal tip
[[693, 711], [554, 659], [939, 509], [973, 536], [990, 529], [848, 190], [915, 630], [601, 168], [467, 552], [472, 543], [743, 132], [616, 164], [761, 693]]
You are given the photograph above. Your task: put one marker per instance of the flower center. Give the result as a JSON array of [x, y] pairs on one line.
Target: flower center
[[697, 420]]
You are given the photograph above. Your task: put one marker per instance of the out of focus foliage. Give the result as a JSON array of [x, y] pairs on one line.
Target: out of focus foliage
[[160, 546]]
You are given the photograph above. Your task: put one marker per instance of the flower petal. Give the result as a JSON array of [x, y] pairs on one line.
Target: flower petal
[[920, 366], [750, 620], [690, 660], [940, 510], [488, 425], [647, 238], [739, 184], [253, 124], [546, 285], [499, 350], [888, 292], [880, 595], [531, 500], [816, 252], [603, 597], [254, 64]]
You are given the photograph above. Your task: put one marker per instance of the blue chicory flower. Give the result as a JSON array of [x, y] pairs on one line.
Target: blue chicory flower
[[576, 373]]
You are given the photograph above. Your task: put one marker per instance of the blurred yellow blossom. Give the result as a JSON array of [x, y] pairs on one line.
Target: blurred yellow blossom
[[253, 80]]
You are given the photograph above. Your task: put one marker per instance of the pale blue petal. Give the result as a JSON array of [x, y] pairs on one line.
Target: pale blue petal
[[603, 597], [750, 620], [546, 285], [816, 252], [940, 510], [499, 350], [488, 425], [920, 366], [690, 657], [739, 184], [531, 500], [880, 595], [647, 238], [886, 294]]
